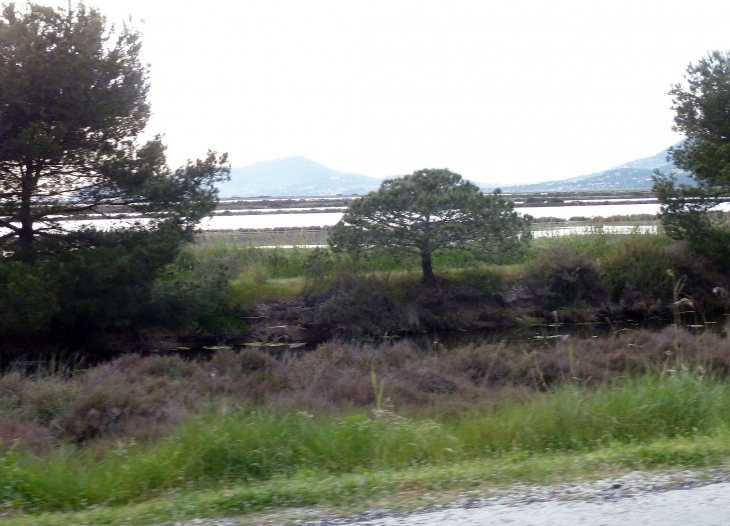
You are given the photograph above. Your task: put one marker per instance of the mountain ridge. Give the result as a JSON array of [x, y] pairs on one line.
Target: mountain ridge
[[633, 175], [294, 176], [297, 176]]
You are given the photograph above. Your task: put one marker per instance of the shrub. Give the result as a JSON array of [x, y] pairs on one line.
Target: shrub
[[560, 277], [24, 436], [194, 301], [704, 282], [28, 301], [354, 305], [638, 267], [108, 284], [320, 263]]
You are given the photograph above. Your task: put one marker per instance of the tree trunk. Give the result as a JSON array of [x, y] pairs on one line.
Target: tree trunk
[[428, 276], [25, 215]]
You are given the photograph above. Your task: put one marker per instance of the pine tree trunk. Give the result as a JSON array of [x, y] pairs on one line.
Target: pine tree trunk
[[427, 267], [25, 216]]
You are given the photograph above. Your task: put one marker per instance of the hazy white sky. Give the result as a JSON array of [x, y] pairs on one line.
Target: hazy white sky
[[499, 91]]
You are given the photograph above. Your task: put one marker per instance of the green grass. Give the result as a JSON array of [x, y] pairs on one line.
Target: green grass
[[272, 262], [402, 489], [654, 421], [599, 246], [276, 273], [247, 291], [278, 262]]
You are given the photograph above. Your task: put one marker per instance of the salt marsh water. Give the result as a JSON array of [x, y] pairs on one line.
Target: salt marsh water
[[234, 222], [319, 219], [566, 212]]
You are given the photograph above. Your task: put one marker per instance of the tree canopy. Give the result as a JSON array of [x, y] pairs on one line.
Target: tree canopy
[[428, 211], [73, 107], [73, 103], [702, 114]]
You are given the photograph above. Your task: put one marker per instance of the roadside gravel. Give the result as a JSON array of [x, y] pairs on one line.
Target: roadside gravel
[[625, 492]]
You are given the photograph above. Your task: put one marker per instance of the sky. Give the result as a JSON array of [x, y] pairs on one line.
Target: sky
[[509, 91]]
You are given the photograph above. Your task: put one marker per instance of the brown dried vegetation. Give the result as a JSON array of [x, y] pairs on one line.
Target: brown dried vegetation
[[143, 397]]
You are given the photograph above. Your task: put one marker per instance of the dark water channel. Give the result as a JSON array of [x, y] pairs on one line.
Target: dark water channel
[[546, 334], [523, 336]]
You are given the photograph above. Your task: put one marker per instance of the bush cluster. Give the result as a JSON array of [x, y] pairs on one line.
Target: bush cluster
[[114, 283], [574, 279], [132, 282], [638, 276]]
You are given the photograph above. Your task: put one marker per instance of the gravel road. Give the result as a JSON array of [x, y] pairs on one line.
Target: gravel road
[[703, 506], [697, 498]]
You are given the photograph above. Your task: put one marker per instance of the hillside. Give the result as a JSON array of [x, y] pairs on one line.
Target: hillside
[[294, 176], [299, 176], [634, 175]]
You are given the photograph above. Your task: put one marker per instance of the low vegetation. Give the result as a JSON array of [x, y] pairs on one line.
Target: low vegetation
[[385, 391], [317, 295], [72, 439]]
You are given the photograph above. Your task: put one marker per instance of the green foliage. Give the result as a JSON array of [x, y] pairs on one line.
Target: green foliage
[[194, 301], [560, 277], [249, 290], [320, 263], [108, 284], [597, 246], [74, 99], [124, 279], [239, 258], [640, 263], [428, 212], [702, 114], [27, 304], [247, 275], [211, 285]]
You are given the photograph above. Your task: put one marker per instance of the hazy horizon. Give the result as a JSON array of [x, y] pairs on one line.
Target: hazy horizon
[[495, 181], [489, 90]]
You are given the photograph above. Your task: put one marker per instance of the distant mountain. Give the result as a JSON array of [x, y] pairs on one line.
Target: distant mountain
[[293, 176], [634, 175], [299, 176]]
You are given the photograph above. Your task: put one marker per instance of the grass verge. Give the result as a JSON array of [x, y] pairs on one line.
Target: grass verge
[[401, 489], [242, 462]]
